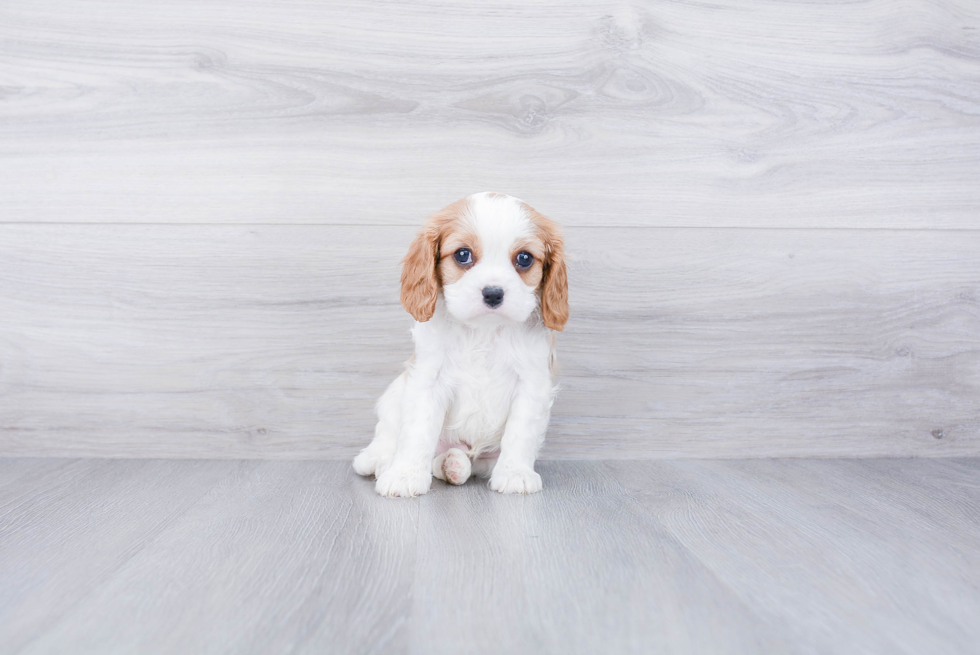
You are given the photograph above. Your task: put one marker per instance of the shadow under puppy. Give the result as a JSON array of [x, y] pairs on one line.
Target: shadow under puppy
[[485, 281]]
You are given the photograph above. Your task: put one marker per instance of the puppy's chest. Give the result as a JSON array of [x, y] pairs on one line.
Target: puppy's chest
[[484, 382]]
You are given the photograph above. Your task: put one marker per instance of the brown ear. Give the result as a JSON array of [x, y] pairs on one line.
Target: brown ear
[[420, 277], [554, 290], [554, 282], [420, 284]]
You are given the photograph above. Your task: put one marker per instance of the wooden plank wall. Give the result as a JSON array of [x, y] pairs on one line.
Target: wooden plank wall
[[772, 210]]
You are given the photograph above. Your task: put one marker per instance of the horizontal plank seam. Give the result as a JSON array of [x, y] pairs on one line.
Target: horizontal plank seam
[[567, 227], [968, 457]]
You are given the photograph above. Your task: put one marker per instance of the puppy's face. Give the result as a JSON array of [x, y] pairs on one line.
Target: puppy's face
[[494, 258]]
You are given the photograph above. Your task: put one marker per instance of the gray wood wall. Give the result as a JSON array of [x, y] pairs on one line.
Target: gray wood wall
[[772, 209]]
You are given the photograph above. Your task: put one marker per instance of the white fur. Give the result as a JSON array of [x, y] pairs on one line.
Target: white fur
[[480, 379]]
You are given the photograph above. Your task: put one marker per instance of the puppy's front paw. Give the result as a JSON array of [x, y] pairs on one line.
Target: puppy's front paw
[[515, 480], [372, 461], [403, 482]]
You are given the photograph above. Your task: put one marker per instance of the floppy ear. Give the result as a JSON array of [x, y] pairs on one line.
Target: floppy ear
[[554, 282], [420, 276], [420, 284]]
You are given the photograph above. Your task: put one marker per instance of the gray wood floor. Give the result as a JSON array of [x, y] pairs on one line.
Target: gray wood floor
[[739, 556]]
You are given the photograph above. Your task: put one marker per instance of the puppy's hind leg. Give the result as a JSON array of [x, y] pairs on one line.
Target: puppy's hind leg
[[374, 459], [452, 466]]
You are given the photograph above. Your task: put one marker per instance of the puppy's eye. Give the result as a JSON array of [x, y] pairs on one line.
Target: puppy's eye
[[463, 256], [524, 260]]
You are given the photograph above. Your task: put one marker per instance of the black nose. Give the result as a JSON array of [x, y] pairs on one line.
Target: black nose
[[493, 296]]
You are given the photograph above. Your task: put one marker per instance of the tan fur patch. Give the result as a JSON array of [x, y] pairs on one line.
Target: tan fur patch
[[420, 278], [458, 236], [535, 246], [554, 277]]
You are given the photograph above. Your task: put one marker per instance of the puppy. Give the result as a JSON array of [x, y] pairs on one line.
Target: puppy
[[485, 281]]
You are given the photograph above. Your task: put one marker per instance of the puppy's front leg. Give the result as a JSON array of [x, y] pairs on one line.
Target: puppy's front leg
[[423, 411], [523, 436]]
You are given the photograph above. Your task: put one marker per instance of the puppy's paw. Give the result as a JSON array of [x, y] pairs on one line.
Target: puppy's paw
[[453, 466], [403, 482], [515, 480], [365, 463], [374, 459]]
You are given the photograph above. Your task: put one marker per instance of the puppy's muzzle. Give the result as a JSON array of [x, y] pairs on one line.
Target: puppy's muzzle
[[493, 296]]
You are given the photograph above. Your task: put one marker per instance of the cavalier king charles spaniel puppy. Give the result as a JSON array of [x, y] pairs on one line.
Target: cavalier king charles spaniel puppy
[[485, 281]]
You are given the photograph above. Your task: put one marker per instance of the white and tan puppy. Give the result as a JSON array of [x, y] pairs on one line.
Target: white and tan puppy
[[485, 280]]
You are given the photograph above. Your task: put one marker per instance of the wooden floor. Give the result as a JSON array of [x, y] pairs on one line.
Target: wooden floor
[[745, 556]]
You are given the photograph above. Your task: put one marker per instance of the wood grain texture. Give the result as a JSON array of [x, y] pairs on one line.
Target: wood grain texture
[[290, 543], [584, 569], [265, 341], [741, 556], [732, 114], [67, 529], [885, 559]]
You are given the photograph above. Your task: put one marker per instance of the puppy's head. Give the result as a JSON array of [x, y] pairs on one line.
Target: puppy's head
[[493, 257]]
